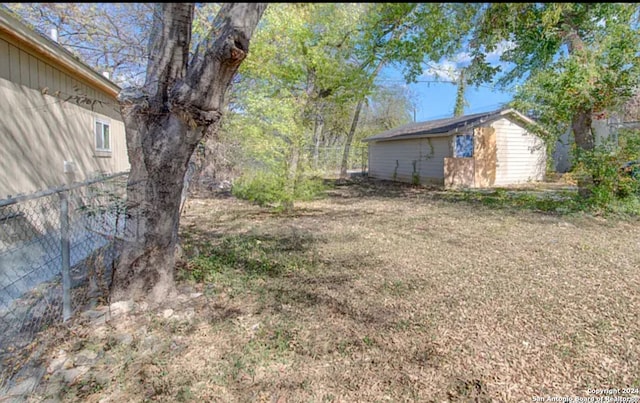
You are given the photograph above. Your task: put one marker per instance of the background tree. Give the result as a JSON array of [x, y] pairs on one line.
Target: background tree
[[630, 111], [405, 35], [576, 59], [180, 103], [458, 110], [288, 100]]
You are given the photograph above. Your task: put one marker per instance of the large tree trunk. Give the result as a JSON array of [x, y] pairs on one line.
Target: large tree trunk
[[585, 141], [582, 118], [154, 191], [180, 103], [581, 125]]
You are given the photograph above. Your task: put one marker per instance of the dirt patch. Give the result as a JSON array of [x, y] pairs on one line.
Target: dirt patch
[[373, 294]]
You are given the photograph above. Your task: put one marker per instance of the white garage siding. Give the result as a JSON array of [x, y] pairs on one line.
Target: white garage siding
[[521, 156], [397, 156]]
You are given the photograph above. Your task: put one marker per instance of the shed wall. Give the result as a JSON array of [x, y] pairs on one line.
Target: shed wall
[[394, 160], [28, 69], [521, 156]]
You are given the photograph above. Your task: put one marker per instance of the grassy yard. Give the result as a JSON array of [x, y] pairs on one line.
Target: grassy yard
[[378, 292]]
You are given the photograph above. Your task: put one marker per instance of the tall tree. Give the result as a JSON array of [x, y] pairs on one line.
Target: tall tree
[[578, 59], [289, 96], [180, 103], [460, 101], [406, 35], [354, 123]]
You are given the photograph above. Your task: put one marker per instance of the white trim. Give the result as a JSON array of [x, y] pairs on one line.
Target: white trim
[[103, 122]]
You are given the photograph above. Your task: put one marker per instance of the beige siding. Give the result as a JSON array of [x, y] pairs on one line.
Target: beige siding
[[5, 66], [20, 66], [521, 156], [40, 132], [393, 160], [42, 126], [14, 64]]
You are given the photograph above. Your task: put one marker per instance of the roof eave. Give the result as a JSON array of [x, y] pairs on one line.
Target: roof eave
[[20, 33], [489, 119], [407, 137]]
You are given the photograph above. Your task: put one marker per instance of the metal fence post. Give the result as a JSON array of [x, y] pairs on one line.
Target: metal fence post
[[66, 256]]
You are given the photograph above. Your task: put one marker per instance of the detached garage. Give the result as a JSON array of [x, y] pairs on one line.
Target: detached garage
[[480, 150]]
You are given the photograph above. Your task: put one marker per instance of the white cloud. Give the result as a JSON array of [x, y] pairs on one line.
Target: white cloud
[[493, 57], [448, 69], [445, 70], [463, 58]]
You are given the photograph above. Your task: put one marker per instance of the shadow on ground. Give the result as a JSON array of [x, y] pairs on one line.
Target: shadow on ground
[[549, 198]]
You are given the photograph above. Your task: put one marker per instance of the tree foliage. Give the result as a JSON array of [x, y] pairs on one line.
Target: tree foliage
[[285, 101], [576, 59]]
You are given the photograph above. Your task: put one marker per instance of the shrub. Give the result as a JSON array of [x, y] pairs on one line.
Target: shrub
[[269, 189], [608, 184], [262, 188]]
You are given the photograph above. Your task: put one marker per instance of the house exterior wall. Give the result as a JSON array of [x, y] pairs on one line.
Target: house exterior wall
[[394, 160], [521, 156], [603, 136], [562, 160], [47, 116]]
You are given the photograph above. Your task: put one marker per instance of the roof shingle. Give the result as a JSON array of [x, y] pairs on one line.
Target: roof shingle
[[442, 127]]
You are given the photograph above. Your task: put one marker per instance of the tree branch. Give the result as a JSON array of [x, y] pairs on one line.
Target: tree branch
[[218, 59], [168, 48]]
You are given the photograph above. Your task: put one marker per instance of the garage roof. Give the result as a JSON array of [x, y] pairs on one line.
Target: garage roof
[[448, 126]]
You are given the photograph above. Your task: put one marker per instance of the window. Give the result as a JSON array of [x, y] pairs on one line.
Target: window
[[464, 146], [103, 136]]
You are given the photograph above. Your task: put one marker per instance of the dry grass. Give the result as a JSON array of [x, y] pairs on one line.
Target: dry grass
[[381, 294]]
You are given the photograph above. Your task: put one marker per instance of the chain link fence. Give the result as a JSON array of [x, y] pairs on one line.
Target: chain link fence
[[57, 249], [329, 159]]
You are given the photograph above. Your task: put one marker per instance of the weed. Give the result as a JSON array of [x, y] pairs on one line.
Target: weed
[[395, 171], [415, 175], [328, 397], [185, 394], [396, 287], [269, 189], [243, 258]]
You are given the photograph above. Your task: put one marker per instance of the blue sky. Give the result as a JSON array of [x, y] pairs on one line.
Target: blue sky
[[434, 94], [434, 100]]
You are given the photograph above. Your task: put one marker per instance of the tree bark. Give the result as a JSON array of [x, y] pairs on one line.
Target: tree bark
[[581, 125], [583, 135], [582, 118], [354, 124], [347, 143], [317, 136], [459, 108], [292, 177], [180, 102]]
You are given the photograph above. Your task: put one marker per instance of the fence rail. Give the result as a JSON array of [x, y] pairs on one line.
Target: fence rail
[[56, 254]]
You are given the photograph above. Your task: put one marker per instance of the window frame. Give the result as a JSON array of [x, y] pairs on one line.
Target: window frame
[[102, 123], [455, 145]]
